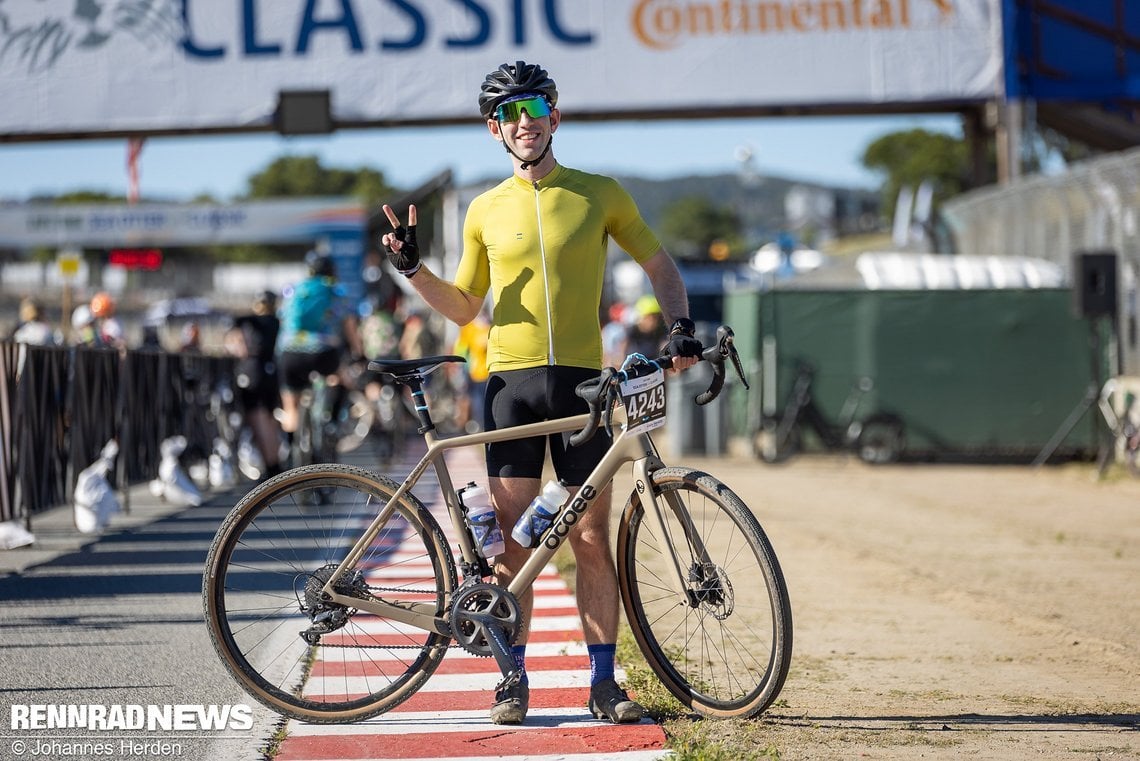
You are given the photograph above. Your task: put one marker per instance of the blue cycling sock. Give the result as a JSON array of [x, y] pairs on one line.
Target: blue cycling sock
[[519, 652], [601, 662]]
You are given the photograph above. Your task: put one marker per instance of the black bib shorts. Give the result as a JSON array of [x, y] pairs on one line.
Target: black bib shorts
[[533, 395]]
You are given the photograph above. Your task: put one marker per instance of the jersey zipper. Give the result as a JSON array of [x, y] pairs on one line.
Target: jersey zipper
[[545, 280]]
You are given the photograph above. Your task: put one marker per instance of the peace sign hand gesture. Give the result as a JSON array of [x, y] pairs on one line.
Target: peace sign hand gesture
[[400, 245]]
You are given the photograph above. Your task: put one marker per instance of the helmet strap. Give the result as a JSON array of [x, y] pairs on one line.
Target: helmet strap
[[528, 164]]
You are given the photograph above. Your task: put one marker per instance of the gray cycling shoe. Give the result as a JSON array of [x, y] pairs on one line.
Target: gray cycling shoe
[[511, 704], [608, 701]]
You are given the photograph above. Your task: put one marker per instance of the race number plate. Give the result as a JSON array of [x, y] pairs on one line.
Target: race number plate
[[644, 401]]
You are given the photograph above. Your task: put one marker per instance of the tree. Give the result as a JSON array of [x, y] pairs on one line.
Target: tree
[[293, 176], [912, 156], [80, 197], [304, 176], [691, 226]]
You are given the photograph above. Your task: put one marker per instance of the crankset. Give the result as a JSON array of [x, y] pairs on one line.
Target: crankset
[[486, 620]]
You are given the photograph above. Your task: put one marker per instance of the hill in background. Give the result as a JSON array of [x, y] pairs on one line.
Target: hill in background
[[765, 205]]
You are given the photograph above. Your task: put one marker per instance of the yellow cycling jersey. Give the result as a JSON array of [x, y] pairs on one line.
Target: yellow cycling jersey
[[540, 247]]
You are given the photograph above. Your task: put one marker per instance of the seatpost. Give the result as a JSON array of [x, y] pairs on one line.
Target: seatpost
[[418, 398]]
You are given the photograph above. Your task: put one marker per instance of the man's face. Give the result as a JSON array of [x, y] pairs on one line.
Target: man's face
[[528, 136]]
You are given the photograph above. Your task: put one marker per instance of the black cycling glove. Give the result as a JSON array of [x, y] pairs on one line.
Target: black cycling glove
[[681, 340], [407, 259]]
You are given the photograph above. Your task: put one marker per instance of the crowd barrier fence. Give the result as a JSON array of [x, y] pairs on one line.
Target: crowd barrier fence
[[60, 406]]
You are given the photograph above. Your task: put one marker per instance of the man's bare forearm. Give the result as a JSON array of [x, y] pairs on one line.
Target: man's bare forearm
[[456, 305]]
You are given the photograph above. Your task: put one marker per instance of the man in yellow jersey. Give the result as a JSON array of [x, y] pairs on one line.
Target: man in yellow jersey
[[538, 242]]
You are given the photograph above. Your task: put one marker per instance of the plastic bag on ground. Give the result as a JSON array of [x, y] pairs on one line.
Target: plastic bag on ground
[[173, 484], [222, 472], [13, 535], [95, 500]]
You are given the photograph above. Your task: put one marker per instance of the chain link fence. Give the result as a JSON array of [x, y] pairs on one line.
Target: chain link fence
[[1093, 206]]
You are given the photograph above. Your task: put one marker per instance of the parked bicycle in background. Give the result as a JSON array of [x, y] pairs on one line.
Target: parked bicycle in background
[[877, 438]]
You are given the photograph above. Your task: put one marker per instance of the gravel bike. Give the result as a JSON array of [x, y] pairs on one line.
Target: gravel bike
[[877, 439], [340, 614]]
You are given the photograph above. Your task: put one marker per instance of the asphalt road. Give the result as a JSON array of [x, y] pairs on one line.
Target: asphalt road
[[117, 620]]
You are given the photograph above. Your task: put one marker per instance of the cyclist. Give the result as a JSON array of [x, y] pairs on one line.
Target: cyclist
[[314, 318], [538, 242], [649, 330], [106, 324], [252, 340]]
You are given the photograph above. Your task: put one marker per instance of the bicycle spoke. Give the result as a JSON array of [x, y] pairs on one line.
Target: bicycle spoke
[[286, 641], [724, 647]]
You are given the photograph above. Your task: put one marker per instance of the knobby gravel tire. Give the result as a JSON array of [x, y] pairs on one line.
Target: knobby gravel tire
[[724, 647], [261, 592]]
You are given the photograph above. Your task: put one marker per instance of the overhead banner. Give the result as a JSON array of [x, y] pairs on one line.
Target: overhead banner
[[74, 68], [277, 221]]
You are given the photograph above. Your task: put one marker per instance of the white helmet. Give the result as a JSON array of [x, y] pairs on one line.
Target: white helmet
[[81, 317]]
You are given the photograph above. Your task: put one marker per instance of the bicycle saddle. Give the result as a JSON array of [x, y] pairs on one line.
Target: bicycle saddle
[[419, 366]]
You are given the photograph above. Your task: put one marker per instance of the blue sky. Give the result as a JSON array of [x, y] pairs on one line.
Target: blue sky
[[821, 149]]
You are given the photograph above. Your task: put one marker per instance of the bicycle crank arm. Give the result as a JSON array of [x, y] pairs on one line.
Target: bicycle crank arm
[[497, 642]]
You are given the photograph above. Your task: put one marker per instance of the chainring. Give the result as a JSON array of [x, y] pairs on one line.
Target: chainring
[[484, 599]]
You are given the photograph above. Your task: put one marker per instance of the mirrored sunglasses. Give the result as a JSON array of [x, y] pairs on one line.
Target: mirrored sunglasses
[[535, 106]]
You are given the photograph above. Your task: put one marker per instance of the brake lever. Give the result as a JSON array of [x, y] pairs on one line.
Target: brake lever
[[728, 345], [593, 392], [608, 409]]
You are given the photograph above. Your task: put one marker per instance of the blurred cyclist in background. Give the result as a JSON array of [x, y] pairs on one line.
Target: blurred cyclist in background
[[252, 340], [649, 333], [106, 324], [34, 328], [83, 330], [314, 318]]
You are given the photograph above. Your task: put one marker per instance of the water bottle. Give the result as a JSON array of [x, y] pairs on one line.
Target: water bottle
[[481, 515], [540, 514]]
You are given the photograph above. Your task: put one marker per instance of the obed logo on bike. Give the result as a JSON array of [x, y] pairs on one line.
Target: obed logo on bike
[[569, 517]]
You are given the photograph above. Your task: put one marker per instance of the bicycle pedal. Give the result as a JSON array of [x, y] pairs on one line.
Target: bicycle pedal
[[510, 680]]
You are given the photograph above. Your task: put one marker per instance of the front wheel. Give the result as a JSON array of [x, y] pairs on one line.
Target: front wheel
[[776, 442], [289, 646], [720, 639]]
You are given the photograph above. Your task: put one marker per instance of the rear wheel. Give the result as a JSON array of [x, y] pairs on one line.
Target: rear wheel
[[721, 645], [282, 640], [881, 440]]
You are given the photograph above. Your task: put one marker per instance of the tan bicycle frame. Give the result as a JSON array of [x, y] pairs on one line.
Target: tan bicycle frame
[[636, 448]]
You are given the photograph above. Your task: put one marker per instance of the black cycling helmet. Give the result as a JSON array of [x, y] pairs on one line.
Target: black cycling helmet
[[519, 79], [320, 264], [267, 300]]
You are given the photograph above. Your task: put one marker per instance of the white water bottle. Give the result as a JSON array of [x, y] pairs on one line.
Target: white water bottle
[[540, 514], [484, 525]]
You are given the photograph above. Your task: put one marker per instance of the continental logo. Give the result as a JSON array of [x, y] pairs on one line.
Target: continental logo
[[663, 24]]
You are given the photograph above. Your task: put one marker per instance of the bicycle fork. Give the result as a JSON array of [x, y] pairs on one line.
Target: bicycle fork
[[654, 510]]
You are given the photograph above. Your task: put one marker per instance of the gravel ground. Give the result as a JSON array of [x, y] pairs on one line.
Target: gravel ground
[[949, 611]]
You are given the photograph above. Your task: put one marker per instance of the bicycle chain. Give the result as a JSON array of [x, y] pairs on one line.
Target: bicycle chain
[[404, 590]]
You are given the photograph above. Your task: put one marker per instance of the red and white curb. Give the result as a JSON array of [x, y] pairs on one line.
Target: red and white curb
[[448, 717]]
